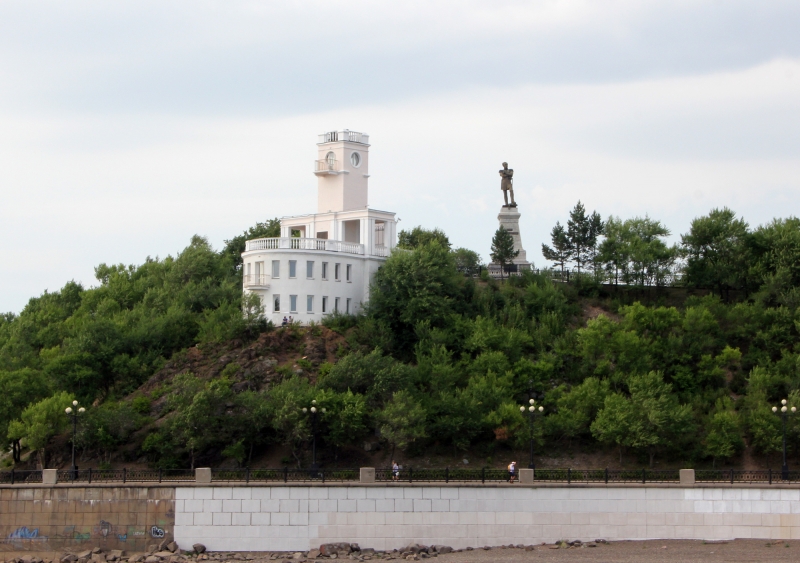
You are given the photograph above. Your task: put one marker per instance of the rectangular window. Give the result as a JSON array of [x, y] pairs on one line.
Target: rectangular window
[[349, 272], [336, 305], [276, 303], [310, 303], [292, 268], [337, 272], [347, 310], [247, 272], [324, 270], [310, 269], [324, 304], [293, 303], [276, 268]]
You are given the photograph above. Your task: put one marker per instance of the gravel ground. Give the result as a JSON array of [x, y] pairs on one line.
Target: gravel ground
[[654, 551], [651, 551]]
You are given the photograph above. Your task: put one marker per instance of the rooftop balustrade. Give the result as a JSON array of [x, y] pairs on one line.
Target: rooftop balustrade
[[344, 135], [297, 243]]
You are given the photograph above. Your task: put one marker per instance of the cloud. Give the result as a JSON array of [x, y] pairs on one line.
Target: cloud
[[126, 128]]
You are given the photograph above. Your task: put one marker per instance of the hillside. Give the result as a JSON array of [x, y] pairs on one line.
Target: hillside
[[173, 374]]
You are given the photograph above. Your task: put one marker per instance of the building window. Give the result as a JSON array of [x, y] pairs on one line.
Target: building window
[[347, 310], [324, 304], [336, 305], [276, 303], [292, 268], [337, 272], [349, 272], [324, 270], [310, 303], [247, 270], [310, 269], [276, 268], [293, 303]]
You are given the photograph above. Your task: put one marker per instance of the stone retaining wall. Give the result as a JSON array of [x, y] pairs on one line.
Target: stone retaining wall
[[297, 518], [74, 518]]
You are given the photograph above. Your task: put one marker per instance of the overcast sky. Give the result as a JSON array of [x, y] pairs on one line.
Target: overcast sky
[[127, 127]]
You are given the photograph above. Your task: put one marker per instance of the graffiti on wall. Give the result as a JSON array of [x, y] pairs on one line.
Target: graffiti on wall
[[24, 533], [157, 532]]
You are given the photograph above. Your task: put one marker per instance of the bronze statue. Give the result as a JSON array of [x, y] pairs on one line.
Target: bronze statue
[[505, 184]]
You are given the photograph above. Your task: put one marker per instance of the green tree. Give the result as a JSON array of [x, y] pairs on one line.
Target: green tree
[[412, 287], [18, 389], [419, 237], [503, 248], [401, 421], [635, 250], [559, 253], [467, 261], [582, 232], [715, 249], [724, 436], [577, 408], [40, 422], [650, 419]]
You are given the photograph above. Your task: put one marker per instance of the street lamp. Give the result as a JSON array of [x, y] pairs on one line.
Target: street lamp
[[532, 410], [73, 413], [314, 411], [784, 409]]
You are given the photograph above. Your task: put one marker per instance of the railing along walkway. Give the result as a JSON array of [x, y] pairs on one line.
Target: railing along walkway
[[387, 475]]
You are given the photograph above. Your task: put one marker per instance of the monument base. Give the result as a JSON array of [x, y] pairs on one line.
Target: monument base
[[509, 220]]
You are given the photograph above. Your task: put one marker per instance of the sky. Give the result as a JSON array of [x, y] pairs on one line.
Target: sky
[[128, 127]]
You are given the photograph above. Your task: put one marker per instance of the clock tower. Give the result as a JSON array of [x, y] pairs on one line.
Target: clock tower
[[342, 170]]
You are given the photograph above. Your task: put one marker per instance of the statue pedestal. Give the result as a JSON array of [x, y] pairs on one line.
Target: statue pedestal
[[509, 220]]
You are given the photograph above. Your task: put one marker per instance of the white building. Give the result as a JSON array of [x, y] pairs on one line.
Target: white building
[[324, 262]]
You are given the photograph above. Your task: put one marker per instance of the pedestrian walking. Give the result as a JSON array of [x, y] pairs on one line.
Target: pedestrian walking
[[512, 471], [395, 471]]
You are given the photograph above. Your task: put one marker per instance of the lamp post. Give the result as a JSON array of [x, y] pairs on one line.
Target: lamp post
[[784, 411], [73, 413], [532, 410], [314, 412]]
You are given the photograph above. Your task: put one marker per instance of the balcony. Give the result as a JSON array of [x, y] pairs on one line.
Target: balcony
[[328, 167], [256, 281], [344, 135], [296, 243]]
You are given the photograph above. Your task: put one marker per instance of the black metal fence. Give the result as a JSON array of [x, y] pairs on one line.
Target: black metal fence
[[20, 476], [124, 475], [405, 475], [285, 475], [753, 476]]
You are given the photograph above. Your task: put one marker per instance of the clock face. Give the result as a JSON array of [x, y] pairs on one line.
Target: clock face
[[355, 159]]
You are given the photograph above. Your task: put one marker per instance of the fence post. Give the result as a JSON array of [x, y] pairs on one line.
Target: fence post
[[569, 476], [247, 475], [644, 475], [90, 475], [12, 476], [731, 476], [446, 474], [770, 475], [410, 474], [124, 474], [159, 474], [483, 475], [322, 475], [606, 475], [285, 474]]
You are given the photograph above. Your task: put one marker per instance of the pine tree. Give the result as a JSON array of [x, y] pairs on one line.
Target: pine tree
[[582, 231], [503, 248], [560, 252]]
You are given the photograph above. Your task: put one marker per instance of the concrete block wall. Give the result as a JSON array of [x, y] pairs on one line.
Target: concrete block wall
[[59, 518], [288, 518]]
